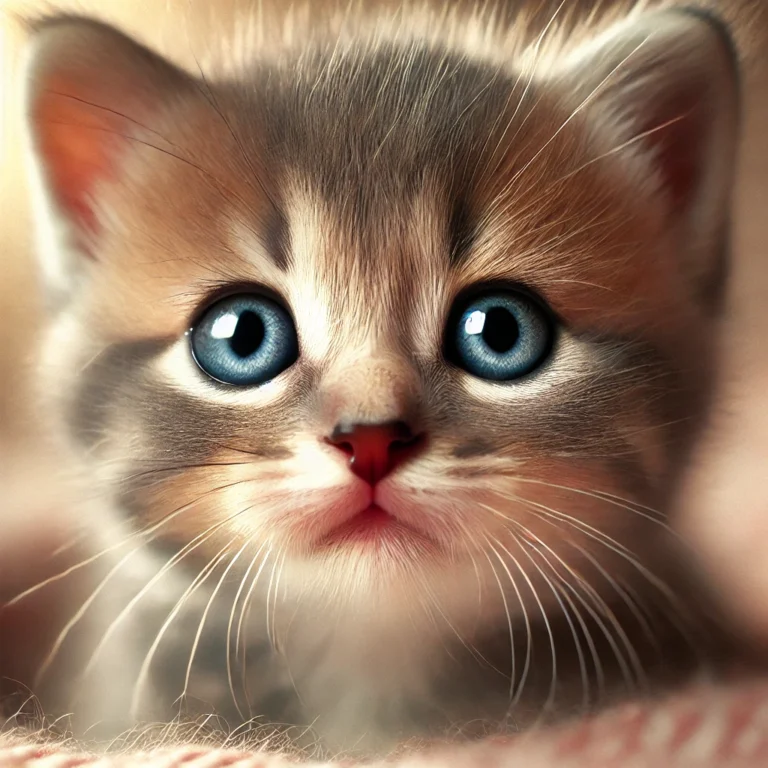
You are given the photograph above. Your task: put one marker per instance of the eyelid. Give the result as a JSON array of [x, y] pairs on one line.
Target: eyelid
[[222, 290], [465, 295], [535, 295]]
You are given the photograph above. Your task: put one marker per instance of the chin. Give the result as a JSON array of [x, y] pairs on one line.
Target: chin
[[379, 576]]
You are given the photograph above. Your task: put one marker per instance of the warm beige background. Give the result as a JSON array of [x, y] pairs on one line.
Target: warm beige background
[[728, 509]]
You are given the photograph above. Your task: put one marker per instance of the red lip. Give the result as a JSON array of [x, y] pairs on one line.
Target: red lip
[[371, 524]]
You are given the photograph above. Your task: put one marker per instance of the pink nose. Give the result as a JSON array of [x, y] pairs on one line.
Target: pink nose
[[374, 450]]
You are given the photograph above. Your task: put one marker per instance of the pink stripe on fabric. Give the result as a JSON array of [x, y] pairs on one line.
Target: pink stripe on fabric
[[717, 727]]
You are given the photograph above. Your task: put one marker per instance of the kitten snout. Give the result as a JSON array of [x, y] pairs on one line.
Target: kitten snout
[[371, 390], [372, 415]]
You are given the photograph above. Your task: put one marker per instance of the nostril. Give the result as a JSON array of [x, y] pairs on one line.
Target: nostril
[[343, 445], [400, 436], [405, 443], [402, 450]]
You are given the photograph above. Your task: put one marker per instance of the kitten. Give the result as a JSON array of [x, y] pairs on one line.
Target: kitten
[[380, 353]]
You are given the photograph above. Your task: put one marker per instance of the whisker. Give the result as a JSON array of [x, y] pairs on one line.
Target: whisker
[[473, 651], [628, 599], [149, 529], [585, 102], [614, 500], [115, 112], [204, 615], [230, 624], [513, 659], [529, 634], [588, 530], [604, 609], [611, 544], [536, 49], [80, 613], [188, 548], [683, 622], [686, 619], [547, 625], [560, 595], [620, 148], [221, 188], [179, 468], [274, 585], [535, 204], [269, 597], [236, 449], [633, 502], [240, 640], [470, 539], [430, 607], [68, 545], [188, 592], [596, 661], [253, 174], [627, 668]]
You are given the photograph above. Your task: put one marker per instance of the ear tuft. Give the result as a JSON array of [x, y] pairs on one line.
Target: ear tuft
[[92, 91], [665, 86]]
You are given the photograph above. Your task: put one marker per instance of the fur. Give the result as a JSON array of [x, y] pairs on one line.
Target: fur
[[367, 167]]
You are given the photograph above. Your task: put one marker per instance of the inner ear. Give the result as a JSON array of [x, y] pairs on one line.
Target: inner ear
[[665, 88], [92, 91]]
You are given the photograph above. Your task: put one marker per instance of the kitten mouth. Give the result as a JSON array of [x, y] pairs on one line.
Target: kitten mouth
[[372, 526]]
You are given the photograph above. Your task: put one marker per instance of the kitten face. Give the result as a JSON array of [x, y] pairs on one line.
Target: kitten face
[[373, 193]]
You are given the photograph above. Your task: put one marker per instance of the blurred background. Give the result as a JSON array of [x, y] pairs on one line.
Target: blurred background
[[725, 508]]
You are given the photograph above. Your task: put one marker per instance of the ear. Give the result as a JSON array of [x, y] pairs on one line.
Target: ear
[[664, 88], [92, 93]]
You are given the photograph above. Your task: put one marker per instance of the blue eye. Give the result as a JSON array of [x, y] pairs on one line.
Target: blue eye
[[245, 341], [499, 335]]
